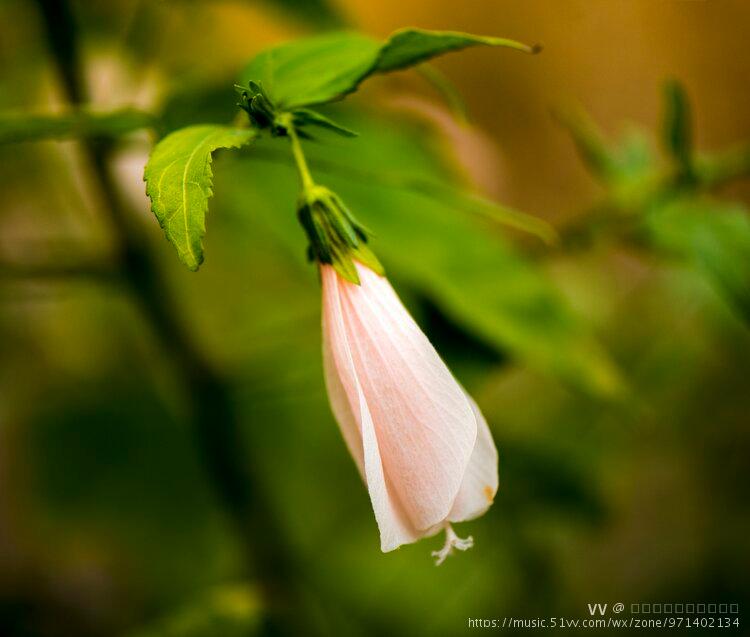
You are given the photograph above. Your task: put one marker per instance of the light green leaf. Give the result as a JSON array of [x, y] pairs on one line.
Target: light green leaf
[[178, 180], [408, 47], [25, 127], [714, 237], [324, 68]]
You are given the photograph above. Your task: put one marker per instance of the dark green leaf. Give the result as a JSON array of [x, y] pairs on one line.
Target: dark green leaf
[[325, 68], [22, 127], [313, 70], [179, 179]]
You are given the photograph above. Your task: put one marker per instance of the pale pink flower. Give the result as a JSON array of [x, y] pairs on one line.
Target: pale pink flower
[[420, 442]]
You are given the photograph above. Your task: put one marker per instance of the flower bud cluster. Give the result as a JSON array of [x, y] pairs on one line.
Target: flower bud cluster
[[262, 113]]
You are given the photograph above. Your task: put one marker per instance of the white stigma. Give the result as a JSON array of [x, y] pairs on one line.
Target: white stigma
[[452, 541]]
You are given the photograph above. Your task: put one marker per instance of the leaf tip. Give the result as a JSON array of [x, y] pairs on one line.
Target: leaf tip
[[194, 263]]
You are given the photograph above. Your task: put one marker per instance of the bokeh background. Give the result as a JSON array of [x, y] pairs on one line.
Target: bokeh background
[[613, 367]]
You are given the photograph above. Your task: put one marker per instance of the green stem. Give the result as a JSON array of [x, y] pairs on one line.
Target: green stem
[[214, 418], [299, 159]]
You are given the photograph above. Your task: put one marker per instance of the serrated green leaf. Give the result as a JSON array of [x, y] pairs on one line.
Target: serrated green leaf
[[179, 179], [25, 127], [325, 68], [714, 237], [408, 47]]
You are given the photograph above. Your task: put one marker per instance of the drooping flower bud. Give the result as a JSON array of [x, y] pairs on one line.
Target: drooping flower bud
[[336, 237], [419, 441]]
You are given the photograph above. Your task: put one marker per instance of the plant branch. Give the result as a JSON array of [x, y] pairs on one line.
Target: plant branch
[[215, 421], [299, 157]]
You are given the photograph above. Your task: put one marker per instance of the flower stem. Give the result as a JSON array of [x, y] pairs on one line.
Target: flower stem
[[299, 158]]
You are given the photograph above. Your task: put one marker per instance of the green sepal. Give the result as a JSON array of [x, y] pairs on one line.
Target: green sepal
[[367, 257], [336, 237], [344, 265], [307, 117]]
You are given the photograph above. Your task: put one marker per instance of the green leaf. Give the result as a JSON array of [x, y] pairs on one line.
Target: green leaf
[[178, 180], [325, 68], [25, 127], [313, 70], [676, 130], [714, 237], [408, 47]]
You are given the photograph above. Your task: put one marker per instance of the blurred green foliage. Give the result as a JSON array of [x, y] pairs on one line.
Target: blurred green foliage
[[612, 369], [463, 265], [21, 127]]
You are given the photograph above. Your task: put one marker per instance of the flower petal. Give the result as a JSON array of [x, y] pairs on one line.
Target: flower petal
[[424, 424], [480, 482], [353, 415], [348, 424]]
